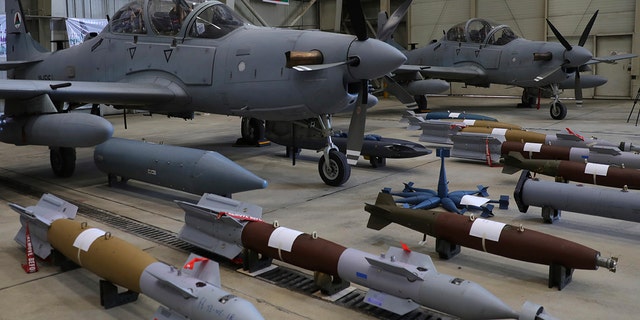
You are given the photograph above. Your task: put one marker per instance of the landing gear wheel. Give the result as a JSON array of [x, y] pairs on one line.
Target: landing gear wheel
[[335, 172], [528, 100], [63, 161], [558, 111], [252, 132], [421, 101], [378, 162]]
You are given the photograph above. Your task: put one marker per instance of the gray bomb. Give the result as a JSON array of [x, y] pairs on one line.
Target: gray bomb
[[186, 169]]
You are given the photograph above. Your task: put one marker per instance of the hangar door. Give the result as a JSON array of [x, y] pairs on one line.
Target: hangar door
[[619, 74]]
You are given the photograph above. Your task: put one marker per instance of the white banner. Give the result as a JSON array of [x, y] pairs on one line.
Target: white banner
[[77, 29]]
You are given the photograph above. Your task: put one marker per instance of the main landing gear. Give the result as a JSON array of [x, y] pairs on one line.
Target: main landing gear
[[557, 109], [332, 166], [63, 161]]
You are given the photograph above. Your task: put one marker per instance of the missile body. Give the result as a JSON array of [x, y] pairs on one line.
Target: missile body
[[553, 197], [190, 292], [489, 236], [60, 130], [593, 173], [399, 281], [186, 169], [594, 154]]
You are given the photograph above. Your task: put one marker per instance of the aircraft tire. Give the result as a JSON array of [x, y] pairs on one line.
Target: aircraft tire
[[558, 110], [63, 161], [337, 171], [378, 162], [250, 129]]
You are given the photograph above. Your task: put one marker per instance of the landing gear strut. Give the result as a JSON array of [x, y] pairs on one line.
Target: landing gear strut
[[333, 167], [558, 110], [63, 161]]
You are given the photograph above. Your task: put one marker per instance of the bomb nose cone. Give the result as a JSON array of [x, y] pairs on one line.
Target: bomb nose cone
[[482, 304], [233, 175], [243, 309], [375, 59]]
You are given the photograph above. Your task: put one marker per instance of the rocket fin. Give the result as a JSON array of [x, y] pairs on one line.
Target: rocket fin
[[395, 269], [162, 313], [206, 270], [219, 203], [385, 199], [512, 162], [185, 292], [413, 258], [391, 303]]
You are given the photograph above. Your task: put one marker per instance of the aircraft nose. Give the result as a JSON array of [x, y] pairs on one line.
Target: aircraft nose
[[375, 59], [577, 56]]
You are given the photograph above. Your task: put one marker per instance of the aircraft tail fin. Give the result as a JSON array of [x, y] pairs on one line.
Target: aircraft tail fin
[[20, 44]]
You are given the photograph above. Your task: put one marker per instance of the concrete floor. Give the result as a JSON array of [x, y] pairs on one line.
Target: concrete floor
[[298, 199]]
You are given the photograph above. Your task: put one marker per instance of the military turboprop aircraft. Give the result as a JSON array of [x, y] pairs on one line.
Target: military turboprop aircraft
[[480, 52], [176, 57]]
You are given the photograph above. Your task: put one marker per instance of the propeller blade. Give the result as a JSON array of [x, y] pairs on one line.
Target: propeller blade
[[356, 126], [394, 20], [587, 29], [558, 35], [314, 67], [354, 7], [578, 89]]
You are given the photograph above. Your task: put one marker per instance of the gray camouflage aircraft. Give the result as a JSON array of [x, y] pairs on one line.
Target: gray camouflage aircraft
[[480, 52], [175, 57]]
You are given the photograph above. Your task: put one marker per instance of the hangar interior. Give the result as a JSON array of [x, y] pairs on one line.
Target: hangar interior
[[297, 199], [615, 30]]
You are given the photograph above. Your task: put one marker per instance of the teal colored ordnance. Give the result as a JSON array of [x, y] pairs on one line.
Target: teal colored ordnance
[[593, 173], [453, 230]]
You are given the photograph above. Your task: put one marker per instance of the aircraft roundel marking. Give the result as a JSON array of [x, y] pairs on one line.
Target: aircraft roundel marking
[[17, 20]]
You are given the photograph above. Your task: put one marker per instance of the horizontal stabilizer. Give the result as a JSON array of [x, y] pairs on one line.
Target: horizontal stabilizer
[[399, 306], [8, 65], [162, 313], [185, 292], [203, 269]]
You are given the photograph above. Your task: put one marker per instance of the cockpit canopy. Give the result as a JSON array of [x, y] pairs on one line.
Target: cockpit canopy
[[481, 31], [166, 17]]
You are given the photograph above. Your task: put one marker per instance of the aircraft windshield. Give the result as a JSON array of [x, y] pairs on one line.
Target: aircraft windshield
[[481, 31], [167, 15], [129, 19], [215, 21]]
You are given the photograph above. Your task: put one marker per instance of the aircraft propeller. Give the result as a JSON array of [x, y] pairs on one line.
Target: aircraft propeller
[[574, 56]]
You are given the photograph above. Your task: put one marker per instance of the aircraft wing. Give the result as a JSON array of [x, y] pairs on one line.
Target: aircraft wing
[[444, 73], [611, 59], [151, 91]]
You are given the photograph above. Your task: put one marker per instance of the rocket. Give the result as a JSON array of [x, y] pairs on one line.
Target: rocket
[[192, 291], [452, 230], [553, 197], [593, 173], [186, 169], [399, 280], [594, 154]]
